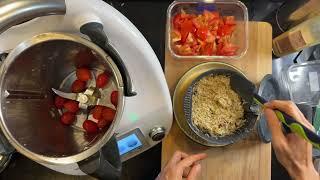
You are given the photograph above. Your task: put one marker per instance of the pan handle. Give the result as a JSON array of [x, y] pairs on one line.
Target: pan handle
[[95, 32], [19, 11]]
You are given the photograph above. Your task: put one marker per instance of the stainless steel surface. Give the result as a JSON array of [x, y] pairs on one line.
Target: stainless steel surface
[[71, 96], [18, 11], [157, 133], [32, 125], [4, 161]]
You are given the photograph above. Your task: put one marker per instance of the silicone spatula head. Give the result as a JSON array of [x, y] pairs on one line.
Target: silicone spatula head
[[243, 87]]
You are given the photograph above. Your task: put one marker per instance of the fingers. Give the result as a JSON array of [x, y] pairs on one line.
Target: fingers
[[194, 172], [177, 156], [278, 138], [289, 108], [188, 161]]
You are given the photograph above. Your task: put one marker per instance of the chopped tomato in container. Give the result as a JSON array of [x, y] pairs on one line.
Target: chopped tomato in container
[[208, 29]]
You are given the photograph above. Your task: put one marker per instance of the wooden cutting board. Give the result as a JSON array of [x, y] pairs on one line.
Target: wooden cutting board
[[248, 159]]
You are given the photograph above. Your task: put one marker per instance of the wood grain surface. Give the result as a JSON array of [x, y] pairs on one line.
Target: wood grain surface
[[248, 159]]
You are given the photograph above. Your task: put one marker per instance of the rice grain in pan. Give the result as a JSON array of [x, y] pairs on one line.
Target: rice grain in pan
[[216, 108]]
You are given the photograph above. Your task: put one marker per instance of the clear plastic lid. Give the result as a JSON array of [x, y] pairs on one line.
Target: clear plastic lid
[[303, 83], [225, 8]]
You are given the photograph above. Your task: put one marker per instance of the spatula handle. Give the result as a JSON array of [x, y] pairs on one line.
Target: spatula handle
[[294, 125]]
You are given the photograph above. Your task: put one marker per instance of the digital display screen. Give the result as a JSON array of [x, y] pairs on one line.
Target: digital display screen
[[128, 144]]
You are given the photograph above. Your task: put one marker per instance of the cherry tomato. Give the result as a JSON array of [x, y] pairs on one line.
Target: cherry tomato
[[71, 106], [84, 57], [108, 114], [114, 98], [97, 112], [78, 86], [103, 123], [102, 80], [83, 74], [59, 101], [90, 126], [67, 118]]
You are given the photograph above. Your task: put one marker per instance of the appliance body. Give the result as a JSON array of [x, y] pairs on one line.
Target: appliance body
[[147, 116]]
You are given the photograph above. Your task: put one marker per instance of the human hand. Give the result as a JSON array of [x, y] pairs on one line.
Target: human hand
[[182, 165], [293, 152]]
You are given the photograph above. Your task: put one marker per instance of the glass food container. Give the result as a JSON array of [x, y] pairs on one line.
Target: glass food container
[[225, 8], [302, 82]]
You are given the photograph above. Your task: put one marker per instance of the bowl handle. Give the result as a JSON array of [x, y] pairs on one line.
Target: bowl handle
[[95, 32], [19, 11]]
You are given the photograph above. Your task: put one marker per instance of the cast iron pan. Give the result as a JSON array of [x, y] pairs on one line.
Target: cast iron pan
[[239, 134]]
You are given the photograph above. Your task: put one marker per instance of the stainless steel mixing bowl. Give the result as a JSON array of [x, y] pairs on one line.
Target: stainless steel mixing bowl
[[28, 116]]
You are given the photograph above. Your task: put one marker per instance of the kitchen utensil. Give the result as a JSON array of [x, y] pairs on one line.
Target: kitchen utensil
[[268, 89], [28, 74], [225, 8], [183, 113], [245, 89], [143, 123]]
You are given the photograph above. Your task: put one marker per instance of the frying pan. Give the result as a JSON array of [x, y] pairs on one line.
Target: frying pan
[[242, 132]]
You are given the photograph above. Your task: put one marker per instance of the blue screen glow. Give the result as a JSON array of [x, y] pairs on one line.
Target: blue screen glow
[[128, 144]]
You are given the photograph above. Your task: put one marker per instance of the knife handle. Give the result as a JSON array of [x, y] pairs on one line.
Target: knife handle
[[291, 125]]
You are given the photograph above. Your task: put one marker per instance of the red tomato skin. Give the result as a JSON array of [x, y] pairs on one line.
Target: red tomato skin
[[90, 126], [59, 101], [177, 21], [83, 74], [97, 112], [202, 33], [208, 34], [208, 49], [67, 118], [103, 123], [108, 114], [186, 28], [84, 57], [114, 98], [71, 106], [78, 86], [102, 80]]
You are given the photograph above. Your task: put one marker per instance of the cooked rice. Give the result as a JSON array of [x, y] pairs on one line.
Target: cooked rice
[[216, 108]]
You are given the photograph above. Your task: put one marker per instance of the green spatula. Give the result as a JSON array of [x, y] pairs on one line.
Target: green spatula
[[246, 90]]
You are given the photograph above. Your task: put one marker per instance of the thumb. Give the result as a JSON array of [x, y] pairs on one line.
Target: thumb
[[194, 172], [275, 127]]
